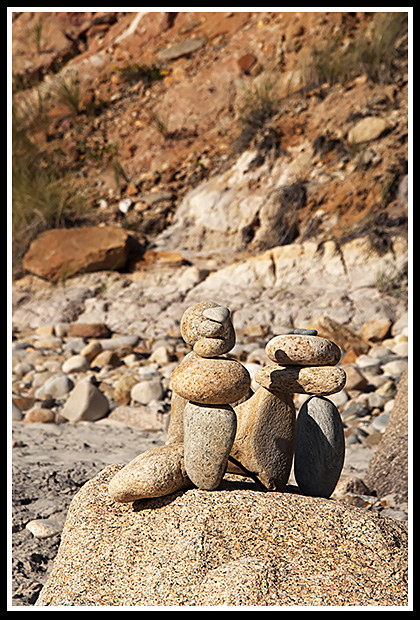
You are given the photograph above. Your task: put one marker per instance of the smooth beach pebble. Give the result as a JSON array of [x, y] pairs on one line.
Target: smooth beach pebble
[[211, 347], [154, 473], [210, 329], [303, 350], [319, 448], [218, 314], [209, 432], [318, 380], [214, 381]]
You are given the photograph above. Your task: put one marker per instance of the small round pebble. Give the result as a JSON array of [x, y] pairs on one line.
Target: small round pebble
[[219, 314], [43, 528], [75, 363]]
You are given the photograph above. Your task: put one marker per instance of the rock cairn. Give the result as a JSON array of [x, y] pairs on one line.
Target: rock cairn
[[218, 424], [309, 367], [266, 437], [209, 383], [203, 422]]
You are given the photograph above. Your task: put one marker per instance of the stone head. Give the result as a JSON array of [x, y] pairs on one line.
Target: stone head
[[207, 327]]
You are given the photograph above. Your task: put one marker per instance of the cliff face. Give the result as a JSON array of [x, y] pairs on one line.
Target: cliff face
[[246, 130]]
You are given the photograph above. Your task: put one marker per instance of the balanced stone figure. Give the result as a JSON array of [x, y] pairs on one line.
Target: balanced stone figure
[[218, 424]]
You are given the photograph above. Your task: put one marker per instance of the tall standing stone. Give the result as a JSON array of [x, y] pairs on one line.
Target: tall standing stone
[[320, 447]]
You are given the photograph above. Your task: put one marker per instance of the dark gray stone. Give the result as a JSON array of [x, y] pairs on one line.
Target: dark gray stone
[[320, 447]]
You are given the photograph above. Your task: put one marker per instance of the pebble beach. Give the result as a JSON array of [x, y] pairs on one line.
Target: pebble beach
[[82, 402]]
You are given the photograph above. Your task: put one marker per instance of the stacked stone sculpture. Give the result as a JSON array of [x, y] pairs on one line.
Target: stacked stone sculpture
[[218, 424], [208, 382], [306, 364]]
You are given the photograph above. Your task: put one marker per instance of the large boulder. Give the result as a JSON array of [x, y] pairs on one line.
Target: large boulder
[[234, 546], [61, 253], [388, 469]]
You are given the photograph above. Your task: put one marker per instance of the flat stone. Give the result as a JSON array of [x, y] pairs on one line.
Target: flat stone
[[320, 447], [210, 329], [209, 431], [219, 314], [369, 128], [88, 330], [317, 380], [61, 253], [212, 381], [303, 350], [119, 342], [154, 473], [182, 49]]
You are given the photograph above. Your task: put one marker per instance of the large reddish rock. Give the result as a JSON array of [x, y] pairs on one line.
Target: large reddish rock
[[62, 253]]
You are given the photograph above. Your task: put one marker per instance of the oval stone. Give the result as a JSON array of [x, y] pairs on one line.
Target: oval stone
[[320, 447], [154, 473], [209, 431], [303, 350], [318, 380], [213, 381], [219, 314]]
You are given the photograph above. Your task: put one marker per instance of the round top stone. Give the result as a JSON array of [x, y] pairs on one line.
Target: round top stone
[[207, 327], [211, 381], [302, 350]]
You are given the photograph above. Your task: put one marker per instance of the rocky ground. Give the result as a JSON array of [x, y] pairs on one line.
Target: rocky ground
[[57, 447], [241, 180]]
